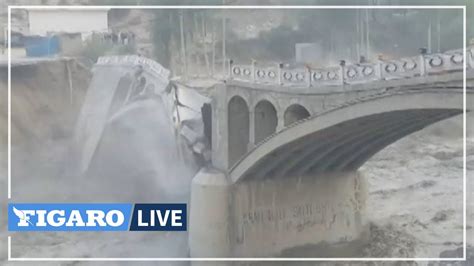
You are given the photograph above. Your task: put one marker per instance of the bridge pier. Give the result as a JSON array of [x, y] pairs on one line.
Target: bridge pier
[[209, 234], [251, 130], [220, 130], [313, 216], [281, 120]]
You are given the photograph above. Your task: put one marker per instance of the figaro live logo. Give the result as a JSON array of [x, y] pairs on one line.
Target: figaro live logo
[[97, 217]]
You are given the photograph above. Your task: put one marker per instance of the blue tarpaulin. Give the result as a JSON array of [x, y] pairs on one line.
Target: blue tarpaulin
[[38, 46]]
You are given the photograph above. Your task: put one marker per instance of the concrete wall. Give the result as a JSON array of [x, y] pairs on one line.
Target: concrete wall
[[275, 217]]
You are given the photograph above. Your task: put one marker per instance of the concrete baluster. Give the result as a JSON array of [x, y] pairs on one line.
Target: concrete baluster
[[341, 75], [421, 60], [470, 57], [231, 72], [253, 71], [280, 67], [308, 76], [378, 68]]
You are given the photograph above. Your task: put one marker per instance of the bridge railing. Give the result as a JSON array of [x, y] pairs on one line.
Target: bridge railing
[[360, 73], [406, 67], [402, 68], [133, 60], [470, 56]]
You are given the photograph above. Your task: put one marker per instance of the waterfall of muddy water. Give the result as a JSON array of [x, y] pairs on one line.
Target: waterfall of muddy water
[[140, 150], [133, 144]]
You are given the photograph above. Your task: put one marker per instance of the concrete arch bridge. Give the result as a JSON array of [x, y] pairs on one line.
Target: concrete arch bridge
[[287, 143]]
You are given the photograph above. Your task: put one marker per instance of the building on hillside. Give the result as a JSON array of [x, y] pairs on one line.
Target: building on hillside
[[44, 22], [308, 53], [62, 30]]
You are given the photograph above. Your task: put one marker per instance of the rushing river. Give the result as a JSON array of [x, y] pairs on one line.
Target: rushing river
[[415, 187]]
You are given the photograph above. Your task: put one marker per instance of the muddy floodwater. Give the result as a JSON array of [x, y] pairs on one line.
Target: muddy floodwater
[[415, 205], [415, 188]]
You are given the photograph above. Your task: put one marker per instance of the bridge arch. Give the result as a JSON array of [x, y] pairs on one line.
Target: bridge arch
[[266, 120], [238, 128], [345, 137], [294, 113]]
